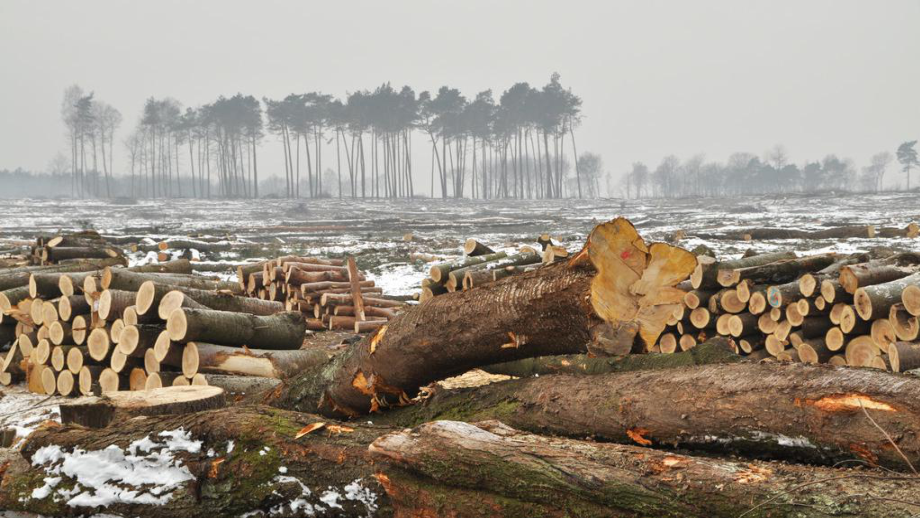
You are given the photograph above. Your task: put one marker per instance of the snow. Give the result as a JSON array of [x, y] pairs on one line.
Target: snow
[[146, 472], [24, 411]]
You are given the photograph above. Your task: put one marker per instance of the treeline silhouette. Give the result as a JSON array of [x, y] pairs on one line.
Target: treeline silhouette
[[520, 146], [746, 173]]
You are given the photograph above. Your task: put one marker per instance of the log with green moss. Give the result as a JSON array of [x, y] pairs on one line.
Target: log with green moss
[[809, 413], [449, 468]]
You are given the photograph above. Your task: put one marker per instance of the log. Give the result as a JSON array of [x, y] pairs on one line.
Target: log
[[296, 276], [832, 291], [220, 359], [455, 277], [11, 297], [151, 293], [776, 272], [175, 300], [904, 356], [439, 272], [910, 297], [280, 331], [473, 248], [705, 274], [63, 253], [748, 408], [906, 326], [856, 276], [71, 306], [355, 285], [122, 279], [135, 340], [782, 295], [240, 385], [120, 406], [875, 301], [112, 303], [615, 295], [441, 469]]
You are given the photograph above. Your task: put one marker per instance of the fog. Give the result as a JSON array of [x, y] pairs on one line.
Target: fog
[[655, 78]]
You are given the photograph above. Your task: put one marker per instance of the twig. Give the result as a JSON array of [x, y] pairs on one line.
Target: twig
[[901, 453]]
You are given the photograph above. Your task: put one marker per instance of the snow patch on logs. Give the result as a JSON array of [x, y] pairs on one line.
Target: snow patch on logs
[[146, 472]]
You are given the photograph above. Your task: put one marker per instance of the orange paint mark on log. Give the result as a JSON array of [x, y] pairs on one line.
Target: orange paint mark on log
[[847, 403], [215, 464], [753, 475], [637, 434]]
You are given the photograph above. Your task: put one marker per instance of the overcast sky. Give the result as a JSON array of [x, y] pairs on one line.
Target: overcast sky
[[656, 77]]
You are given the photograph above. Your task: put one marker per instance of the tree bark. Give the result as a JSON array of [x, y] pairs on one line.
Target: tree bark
[[705, 274], [122, 279], [614, 295], [280, 331], [449, 468], [220, 359], [811, 413]]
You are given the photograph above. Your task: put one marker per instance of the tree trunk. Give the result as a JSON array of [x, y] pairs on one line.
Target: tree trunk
[[123, 279], [802, 412], [625, 293], [450, 468], [254, 362], [279, 331]]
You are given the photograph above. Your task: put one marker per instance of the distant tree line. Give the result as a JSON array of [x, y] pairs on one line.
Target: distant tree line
[[521, 146], [89, 122], [746, 173]]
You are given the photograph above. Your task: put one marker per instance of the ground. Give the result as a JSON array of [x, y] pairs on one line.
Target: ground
[[383, 234]]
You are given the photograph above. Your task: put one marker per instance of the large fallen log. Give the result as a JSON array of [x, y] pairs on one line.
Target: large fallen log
[[614, 296], [813, 413], [705, 274], [449, 468], [225, 462]]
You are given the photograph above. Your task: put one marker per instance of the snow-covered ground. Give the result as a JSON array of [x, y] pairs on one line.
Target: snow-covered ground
[[382, 235], [376, 231]]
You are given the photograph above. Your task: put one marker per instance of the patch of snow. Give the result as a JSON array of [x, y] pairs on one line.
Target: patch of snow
[[229, 447], [111, 475], [282, 470], [331, 498], [358, 493], [24, 411]]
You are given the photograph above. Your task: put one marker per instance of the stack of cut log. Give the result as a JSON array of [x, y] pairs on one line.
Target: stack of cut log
[[87, 328], [480, 265], [329, 293], [839, 309], [76, 247]]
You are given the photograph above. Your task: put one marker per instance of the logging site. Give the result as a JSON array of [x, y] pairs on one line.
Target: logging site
[[411, 259]]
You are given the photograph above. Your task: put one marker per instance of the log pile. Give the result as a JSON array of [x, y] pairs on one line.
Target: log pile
[[850, 310], [86, 327], [481, 265], [78, 246], [331, 294]]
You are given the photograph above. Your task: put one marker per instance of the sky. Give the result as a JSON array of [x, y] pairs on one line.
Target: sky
[[656, 77]]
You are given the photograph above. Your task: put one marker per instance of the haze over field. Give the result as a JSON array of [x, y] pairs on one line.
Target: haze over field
[[656, 78]]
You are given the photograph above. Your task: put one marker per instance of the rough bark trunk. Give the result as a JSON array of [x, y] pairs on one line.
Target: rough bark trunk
[[705, 274], [797, 411], [254, 362], [280, 331], [122, 279], [775, 272], [449, 468]]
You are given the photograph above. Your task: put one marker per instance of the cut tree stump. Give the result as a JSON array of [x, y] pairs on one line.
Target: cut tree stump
[[120, 406]]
